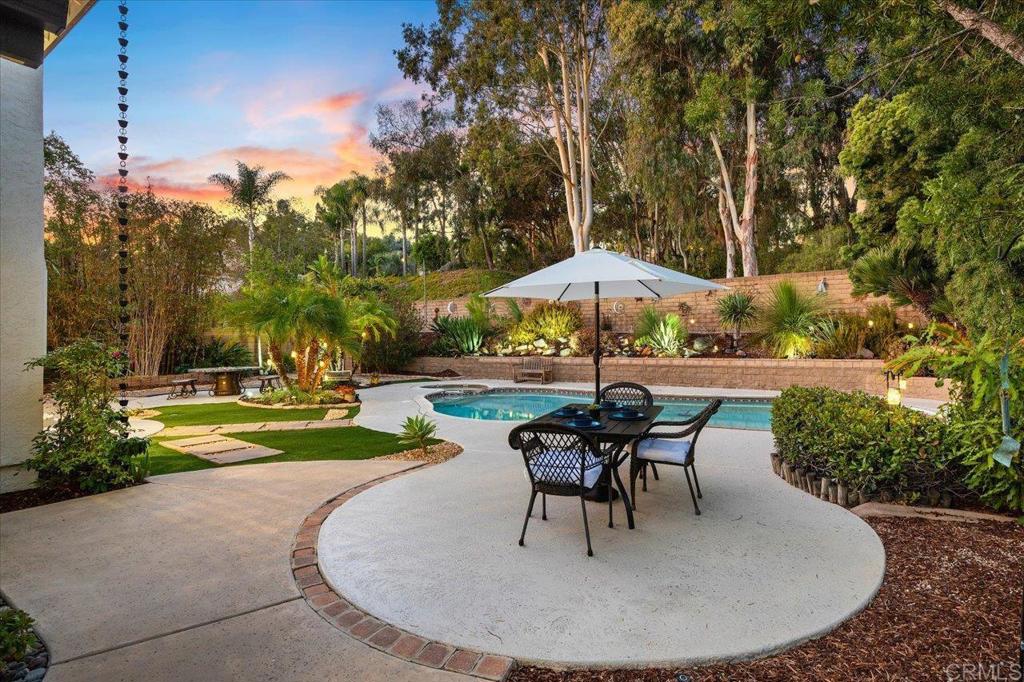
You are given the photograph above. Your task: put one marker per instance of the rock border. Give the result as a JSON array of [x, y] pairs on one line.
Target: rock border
[[363, 626], [36, 662]]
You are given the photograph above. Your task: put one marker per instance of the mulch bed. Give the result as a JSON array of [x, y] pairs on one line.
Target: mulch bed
[[951, 598], [35, 497], [436, 454]]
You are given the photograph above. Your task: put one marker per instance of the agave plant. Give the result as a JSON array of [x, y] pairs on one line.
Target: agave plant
[[418, 431], [667, 337], [788, 321], [459, 335], [736, 310]]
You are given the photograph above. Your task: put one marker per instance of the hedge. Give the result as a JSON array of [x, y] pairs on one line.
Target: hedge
[[877, 449]]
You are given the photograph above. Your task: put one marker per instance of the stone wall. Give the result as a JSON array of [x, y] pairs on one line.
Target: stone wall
[[699, 310], [751, 373]]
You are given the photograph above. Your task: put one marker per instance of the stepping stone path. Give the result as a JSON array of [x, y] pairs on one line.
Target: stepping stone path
[[325, 423], [220, 449]]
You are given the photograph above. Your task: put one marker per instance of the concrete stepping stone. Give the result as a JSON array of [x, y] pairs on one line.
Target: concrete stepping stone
[[220, 449], [335, 414]]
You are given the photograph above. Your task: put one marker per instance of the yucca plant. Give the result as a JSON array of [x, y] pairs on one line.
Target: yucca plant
[[736, 310], [648, 319], [788, 321], [418, 431]]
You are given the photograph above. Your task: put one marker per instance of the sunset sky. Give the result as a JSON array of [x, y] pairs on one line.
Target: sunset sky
[[289, 85]]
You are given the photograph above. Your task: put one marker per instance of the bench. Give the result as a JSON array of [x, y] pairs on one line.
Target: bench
[[268, 382], [534, 369], [182, 388]]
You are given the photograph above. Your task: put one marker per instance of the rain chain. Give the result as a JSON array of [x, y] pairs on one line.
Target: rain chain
[[122, 203]]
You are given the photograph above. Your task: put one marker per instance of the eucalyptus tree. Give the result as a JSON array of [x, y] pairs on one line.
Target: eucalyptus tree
[[536, 62], [337, 206]]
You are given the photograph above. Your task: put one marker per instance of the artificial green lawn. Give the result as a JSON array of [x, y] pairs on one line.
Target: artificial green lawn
[[232, 413]]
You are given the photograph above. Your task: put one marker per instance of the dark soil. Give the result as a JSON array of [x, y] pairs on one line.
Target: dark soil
[[950, 604], [36, 497]]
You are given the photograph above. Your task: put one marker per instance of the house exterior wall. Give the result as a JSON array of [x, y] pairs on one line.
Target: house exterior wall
[[22, 268]]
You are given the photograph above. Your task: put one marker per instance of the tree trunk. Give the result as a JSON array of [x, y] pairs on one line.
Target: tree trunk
[[405, 254], [278, 360], [730, 244], [355, 248], [365, 270], [748, 239], [990, 30]]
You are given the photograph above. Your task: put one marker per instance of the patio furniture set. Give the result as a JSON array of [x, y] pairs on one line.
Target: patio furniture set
[[227, 381], [573, 453]]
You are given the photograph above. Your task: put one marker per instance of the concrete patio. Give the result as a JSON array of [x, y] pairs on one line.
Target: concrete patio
[[436, 553]]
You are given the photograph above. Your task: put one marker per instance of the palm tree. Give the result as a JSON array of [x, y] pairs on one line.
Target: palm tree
[[788, 321], [364, 190], [249, 193], [314, 321], [907, 274]]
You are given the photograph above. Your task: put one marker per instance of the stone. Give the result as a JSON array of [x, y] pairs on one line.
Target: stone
[[865, 354], [35, 675]]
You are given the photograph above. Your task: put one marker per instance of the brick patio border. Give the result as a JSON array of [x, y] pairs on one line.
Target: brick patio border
[[359, 624]]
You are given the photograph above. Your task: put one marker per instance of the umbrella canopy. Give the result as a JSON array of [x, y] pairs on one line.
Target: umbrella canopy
[[617, 276], [598, 274]]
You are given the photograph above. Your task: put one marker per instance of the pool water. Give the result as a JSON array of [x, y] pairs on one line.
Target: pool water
[[522, 406]]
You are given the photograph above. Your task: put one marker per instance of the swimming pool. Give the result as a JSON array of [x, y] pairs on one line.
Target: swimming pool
[[523, 405]]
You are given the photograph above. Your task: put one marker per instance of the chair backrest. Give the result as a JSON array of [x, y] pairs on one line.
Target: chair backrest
[[627, 394], [532, 363], [555, 455], [703, 418]]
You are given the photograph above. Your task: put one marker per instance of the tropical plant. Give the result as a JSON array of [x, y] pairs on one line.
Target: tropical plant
[[646, 321], [249, 192], [16, 635], [390, 353], [458, 335], [908, 275], [481, 311], [418, 431], [735, 310], [667, 337], [316, 323], [551, 320], [839, 336], [222, 353], [89, 448], [787, 321]]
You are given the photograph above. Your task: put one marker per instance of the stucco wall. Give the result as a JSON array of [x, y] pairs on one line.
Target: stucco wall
[[22, 267], [701, 308], [844, 375]]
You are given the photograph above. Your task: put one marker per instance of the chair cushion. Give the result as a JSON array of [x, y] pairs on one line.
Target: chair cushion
[[671, 450], [553, 467]]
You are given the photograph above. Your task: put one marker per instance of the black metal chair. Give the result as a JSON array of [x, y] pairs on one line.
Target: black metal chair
[[628, 394], [670, 448], [559, 461]]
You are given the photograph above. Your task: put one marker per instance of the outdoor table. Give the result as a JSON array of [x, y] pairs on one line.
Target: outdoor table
[[227, 380], [612, 439]]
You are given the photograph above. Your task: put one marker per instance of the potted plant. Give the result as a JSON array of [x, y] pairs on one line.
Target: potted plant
[[594, 410]]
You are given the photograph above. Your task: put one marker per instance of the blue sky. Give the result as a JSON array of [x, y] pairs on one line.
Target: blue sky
[[290, 85]]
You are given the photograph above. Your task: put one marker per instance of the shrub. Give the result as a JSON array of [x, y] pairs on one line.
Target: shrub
[[788, 321], [220, 353], [392, 353], [646, 322], [839, 336], [458, 335], [735, 310], [871, 446], [667, 337], [294, 395], [418, 431], [16, 636], [89, 447], [547, 321]]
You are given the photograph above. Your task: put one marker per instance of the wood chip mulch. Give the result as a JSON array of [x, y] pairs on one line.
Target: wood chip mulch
[[436, 454], [951, 598]]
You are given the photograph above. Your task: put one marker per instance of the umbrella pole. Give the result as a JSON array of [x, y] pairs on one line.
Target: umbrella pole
[[597, 342]]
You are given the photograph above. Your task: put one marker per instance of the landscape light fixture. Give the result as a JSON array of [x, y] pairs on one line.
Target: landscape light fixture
[[894, 386]]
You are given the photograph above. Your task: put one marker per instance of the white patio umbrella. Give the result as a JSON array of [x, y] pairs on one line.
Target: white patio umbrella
[[598, 274]]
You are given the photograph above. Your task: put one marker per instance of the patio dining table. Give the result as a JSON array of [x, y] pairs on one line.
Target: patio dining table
[[612, 439], [227, 380]]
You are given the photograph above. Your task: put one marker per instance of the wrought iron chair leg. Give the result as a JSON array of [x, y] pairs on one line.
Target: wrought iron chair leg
[[686, 470], [634, 471], [654, 470], [696, 482], [626, 500], [544, 504], [645, 476], [529, 510], [586, 526]]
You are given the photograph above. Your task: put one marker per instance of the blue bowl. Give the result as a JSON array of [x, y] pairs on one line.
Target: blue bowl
[[584, 423]]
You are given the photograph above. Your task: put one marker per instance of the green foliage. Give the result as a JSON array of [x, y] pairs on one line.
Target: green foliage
[[293, 395], [417, 430], [972, 438], [458, 335], [788, 320], [839, 336], [481, 311], [430, 251], [16, 635], [735, 310], [646, 321], [549, 321], [222, 353], [906, 274], [667, 337], [89, 447], [389, 353]]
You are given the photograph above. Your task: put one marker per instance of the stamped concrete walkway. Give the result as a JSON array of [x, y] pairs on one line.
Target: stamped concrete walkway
[[188, 578], [764, 567]]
